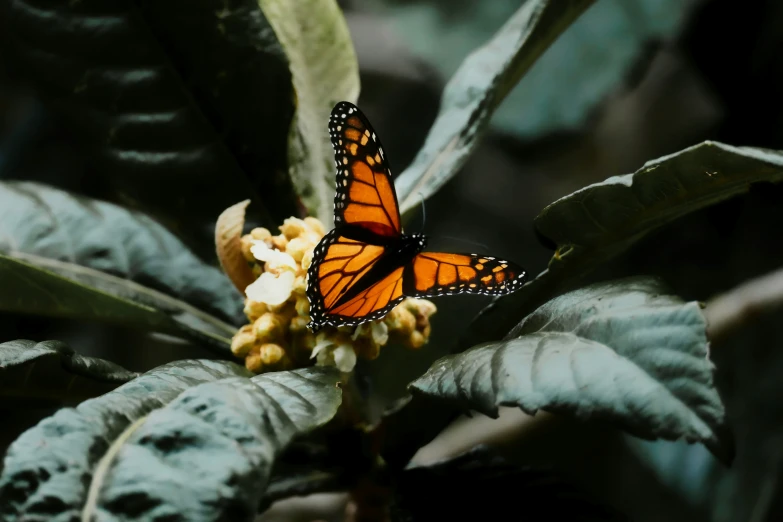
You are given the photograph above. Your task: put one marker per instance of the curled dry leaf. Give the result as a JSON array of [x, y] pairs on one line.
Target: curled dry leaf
[[228, 232]]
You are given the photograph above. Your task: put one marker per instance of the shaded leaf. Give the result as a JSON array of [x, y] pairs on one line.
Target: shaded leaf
[[428, 492], [623, 351], [50, 223], [36, 285], [47, 470], [324, 70], [595, 224], [191, 98], [218, 441], [596, 53], [50, 372], [477, 89]]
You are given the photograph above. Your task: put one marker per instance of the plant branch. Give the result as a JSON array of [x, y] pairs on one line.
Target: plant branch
[[742, 305]]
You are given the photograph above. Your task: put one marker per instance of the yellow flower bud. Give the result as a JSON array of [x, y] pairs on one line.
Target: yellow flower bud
[[268, 327], [254, 309], [279, 242], [245, 243], [416, 340], [298, 324], [400, 321], [307, 259], [253, 360], [271, 354], [292, 227], [315, 225], [260, 233], [300, 287], [303, 307], [297, 247], [243, 341]]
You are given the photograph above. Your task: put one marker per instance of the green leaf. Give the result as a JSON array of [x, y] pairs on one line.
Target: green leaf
[[50, 223], [42, 286], [217, 441], [48, 469], [184, 107], [477, 89], [595, 224], [427, 492], [596, 53], [51, 373], [324, 69], [622, 351]]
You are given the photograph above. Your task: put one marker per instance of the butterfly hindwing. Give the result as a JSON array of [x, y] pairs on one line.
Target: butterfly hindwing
[[440, 273], [339, 264], [365, 194]]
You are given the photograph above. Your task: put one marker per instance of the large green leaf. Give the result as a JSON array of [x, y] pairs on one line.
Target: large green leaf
[[324, 69], [477, 88], [596, 53], [183, 106], [48, 469], [50, 223], [161, 446], [36, 285], [219, 441], [427, 492], [623, 351], [595, 224], [50, 372]]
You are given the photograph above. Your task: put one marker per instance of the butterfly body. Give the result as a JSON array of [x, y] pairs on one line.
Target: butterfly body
[[365, 266]]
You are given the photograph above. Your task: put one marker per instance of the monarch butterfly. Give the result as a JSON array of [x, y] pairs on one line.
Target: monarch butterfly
[[365, 266]]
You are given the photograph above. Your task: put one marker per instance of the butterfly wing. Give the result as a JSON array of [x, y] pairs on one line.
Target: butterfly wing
[[365, 194], [341, 288], [432, 274]]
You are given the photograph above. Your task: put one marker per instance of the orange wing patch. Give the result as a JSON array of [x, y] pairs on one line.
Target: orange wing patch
[[379, 297], [438, 273], [365, 193], [338, 264]]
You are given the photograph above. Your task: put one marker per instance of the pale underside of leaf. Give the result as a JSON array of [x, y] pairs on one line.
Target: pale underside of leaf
[[621, 351], [64, 449], [324, 70], [217, 441], [477, 89], [601, 221]]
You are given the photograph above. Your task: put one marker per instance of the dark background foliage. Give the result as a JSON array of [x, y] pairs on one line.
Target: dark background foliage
[[706, 69]]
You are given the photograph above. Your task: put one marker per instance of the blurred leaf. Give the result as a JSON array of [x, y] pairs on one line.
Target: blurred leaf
[[597, 53], [51, 372], [45, 468], [53, 224], [324, 69], [599, 222], [516, 493], [130, 453], [37, 285], [477, 88], [184, 107], [622, 351]]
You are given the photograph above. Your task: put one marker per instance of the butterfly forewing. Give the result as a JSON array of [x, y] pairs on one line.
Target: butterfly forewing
[[365, 192]]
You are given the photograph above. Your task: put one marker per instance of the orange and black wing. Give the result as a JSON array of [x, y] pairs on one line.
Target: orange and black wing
[[344, 286], [365, 192], [436, 273]]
